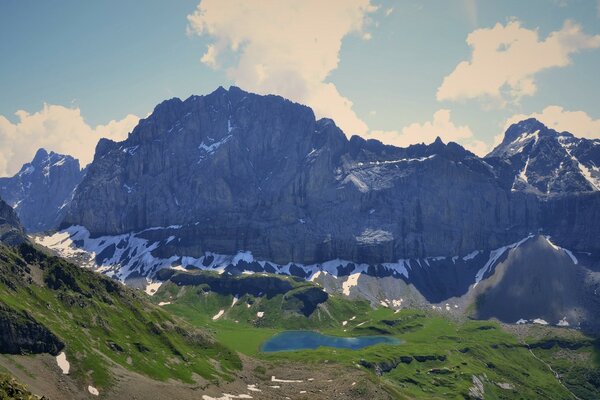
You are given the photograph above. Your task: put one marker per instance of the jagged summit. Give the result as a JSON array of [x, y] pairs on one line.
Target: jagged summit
[[40, 190], [247, 171], [540, 160]]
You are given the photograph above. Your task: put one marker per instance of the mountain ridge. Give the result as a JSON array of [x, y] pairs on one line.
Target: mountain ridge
[[41, 189], [260, 173]]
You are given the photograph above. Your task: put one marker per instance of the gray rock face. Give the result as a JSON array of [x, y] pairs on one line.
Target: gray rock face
[[240, 171], [40, 191], [11, 231], [540, 160], [21, 334]]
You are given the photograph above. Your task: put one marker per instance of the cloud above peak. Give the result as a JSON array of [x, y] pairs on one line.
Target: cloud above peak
[[579, 123], [57, 128], [287, 48], [506, 58]]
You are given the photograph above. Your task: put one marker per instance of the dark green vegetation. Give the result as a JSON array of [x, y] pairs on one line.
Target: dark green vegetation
[[572, 355], [10, 389], [439, 358], [100, 322]]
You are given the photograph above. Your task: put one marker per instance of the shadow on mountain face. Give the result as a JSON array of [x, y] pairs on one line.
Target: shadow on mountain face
[[539, 280]]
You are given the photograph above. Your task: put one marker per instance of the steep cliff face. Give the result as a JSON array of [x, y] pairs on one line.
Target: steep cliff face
[[21, 334], [238, 171], [11, 231], [40, 191]]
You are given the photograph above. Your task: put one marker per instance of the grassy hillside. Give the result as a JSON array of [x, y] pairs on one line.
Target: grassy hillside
[[101, 323], [572, 355], [439, 358]]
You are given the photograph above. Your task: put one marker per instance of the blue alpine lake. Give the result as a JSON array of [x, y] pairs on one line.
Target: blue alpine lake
[[303, 340]]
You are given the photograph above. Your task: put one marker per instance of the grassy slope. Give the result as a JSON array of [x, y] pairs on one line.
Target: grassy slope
[[571, 354], [101, 322], [461, 350]]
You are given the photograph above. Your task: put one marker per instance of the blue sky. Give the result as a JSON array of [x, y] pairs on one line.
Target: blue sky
[[72, 67]]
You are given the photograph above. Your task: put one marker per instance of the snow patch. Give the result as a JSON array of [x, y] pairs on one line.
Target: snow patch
[[93, 390], [374, 236], [540, 321], [152, 288], [273, 379], [563, 322], [209, 149], [218, 315], [471, 256], [62, 362], [350, 283]]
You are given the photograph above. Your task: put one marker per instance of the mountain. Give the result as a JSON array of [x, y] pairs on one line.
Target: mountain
[[539, 280], [237, 182], [40, 191], [11, 231], [534, 158], [239, 171]]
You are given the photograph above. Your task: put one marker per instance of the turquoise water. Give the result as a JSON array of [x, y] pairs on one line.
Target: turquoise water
[[303, 340]]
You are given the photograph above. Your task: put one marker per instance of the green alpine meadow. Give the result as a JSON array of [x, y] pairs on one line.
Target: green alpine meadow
[[299, 200]]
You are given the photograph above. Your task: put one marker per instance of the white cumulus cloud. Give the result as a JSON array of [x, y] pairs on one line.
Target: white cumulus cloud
[[506, 58], [579, 123], [441, 125], [56, 128], [285, 47]]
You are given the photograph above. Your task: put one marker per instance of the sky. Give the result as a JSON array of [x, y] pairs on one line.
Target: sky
[[401, 71]]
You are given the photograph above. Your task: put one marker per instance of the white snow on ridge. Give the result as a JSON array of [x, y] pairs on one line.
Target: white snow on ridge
[[400, 160], [585, 171], [126, 254], [567, 252], [494, 256]]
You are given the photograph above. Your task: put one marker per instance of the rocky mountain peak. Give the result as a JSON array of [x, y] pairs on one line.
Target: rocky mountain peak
[[541, 160], [40, 190]]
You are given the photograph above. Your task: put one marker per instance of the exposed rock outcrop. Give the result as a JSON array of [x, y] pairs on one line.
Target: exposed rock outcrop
[[40, 191], [11, 231], [21, 334]]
